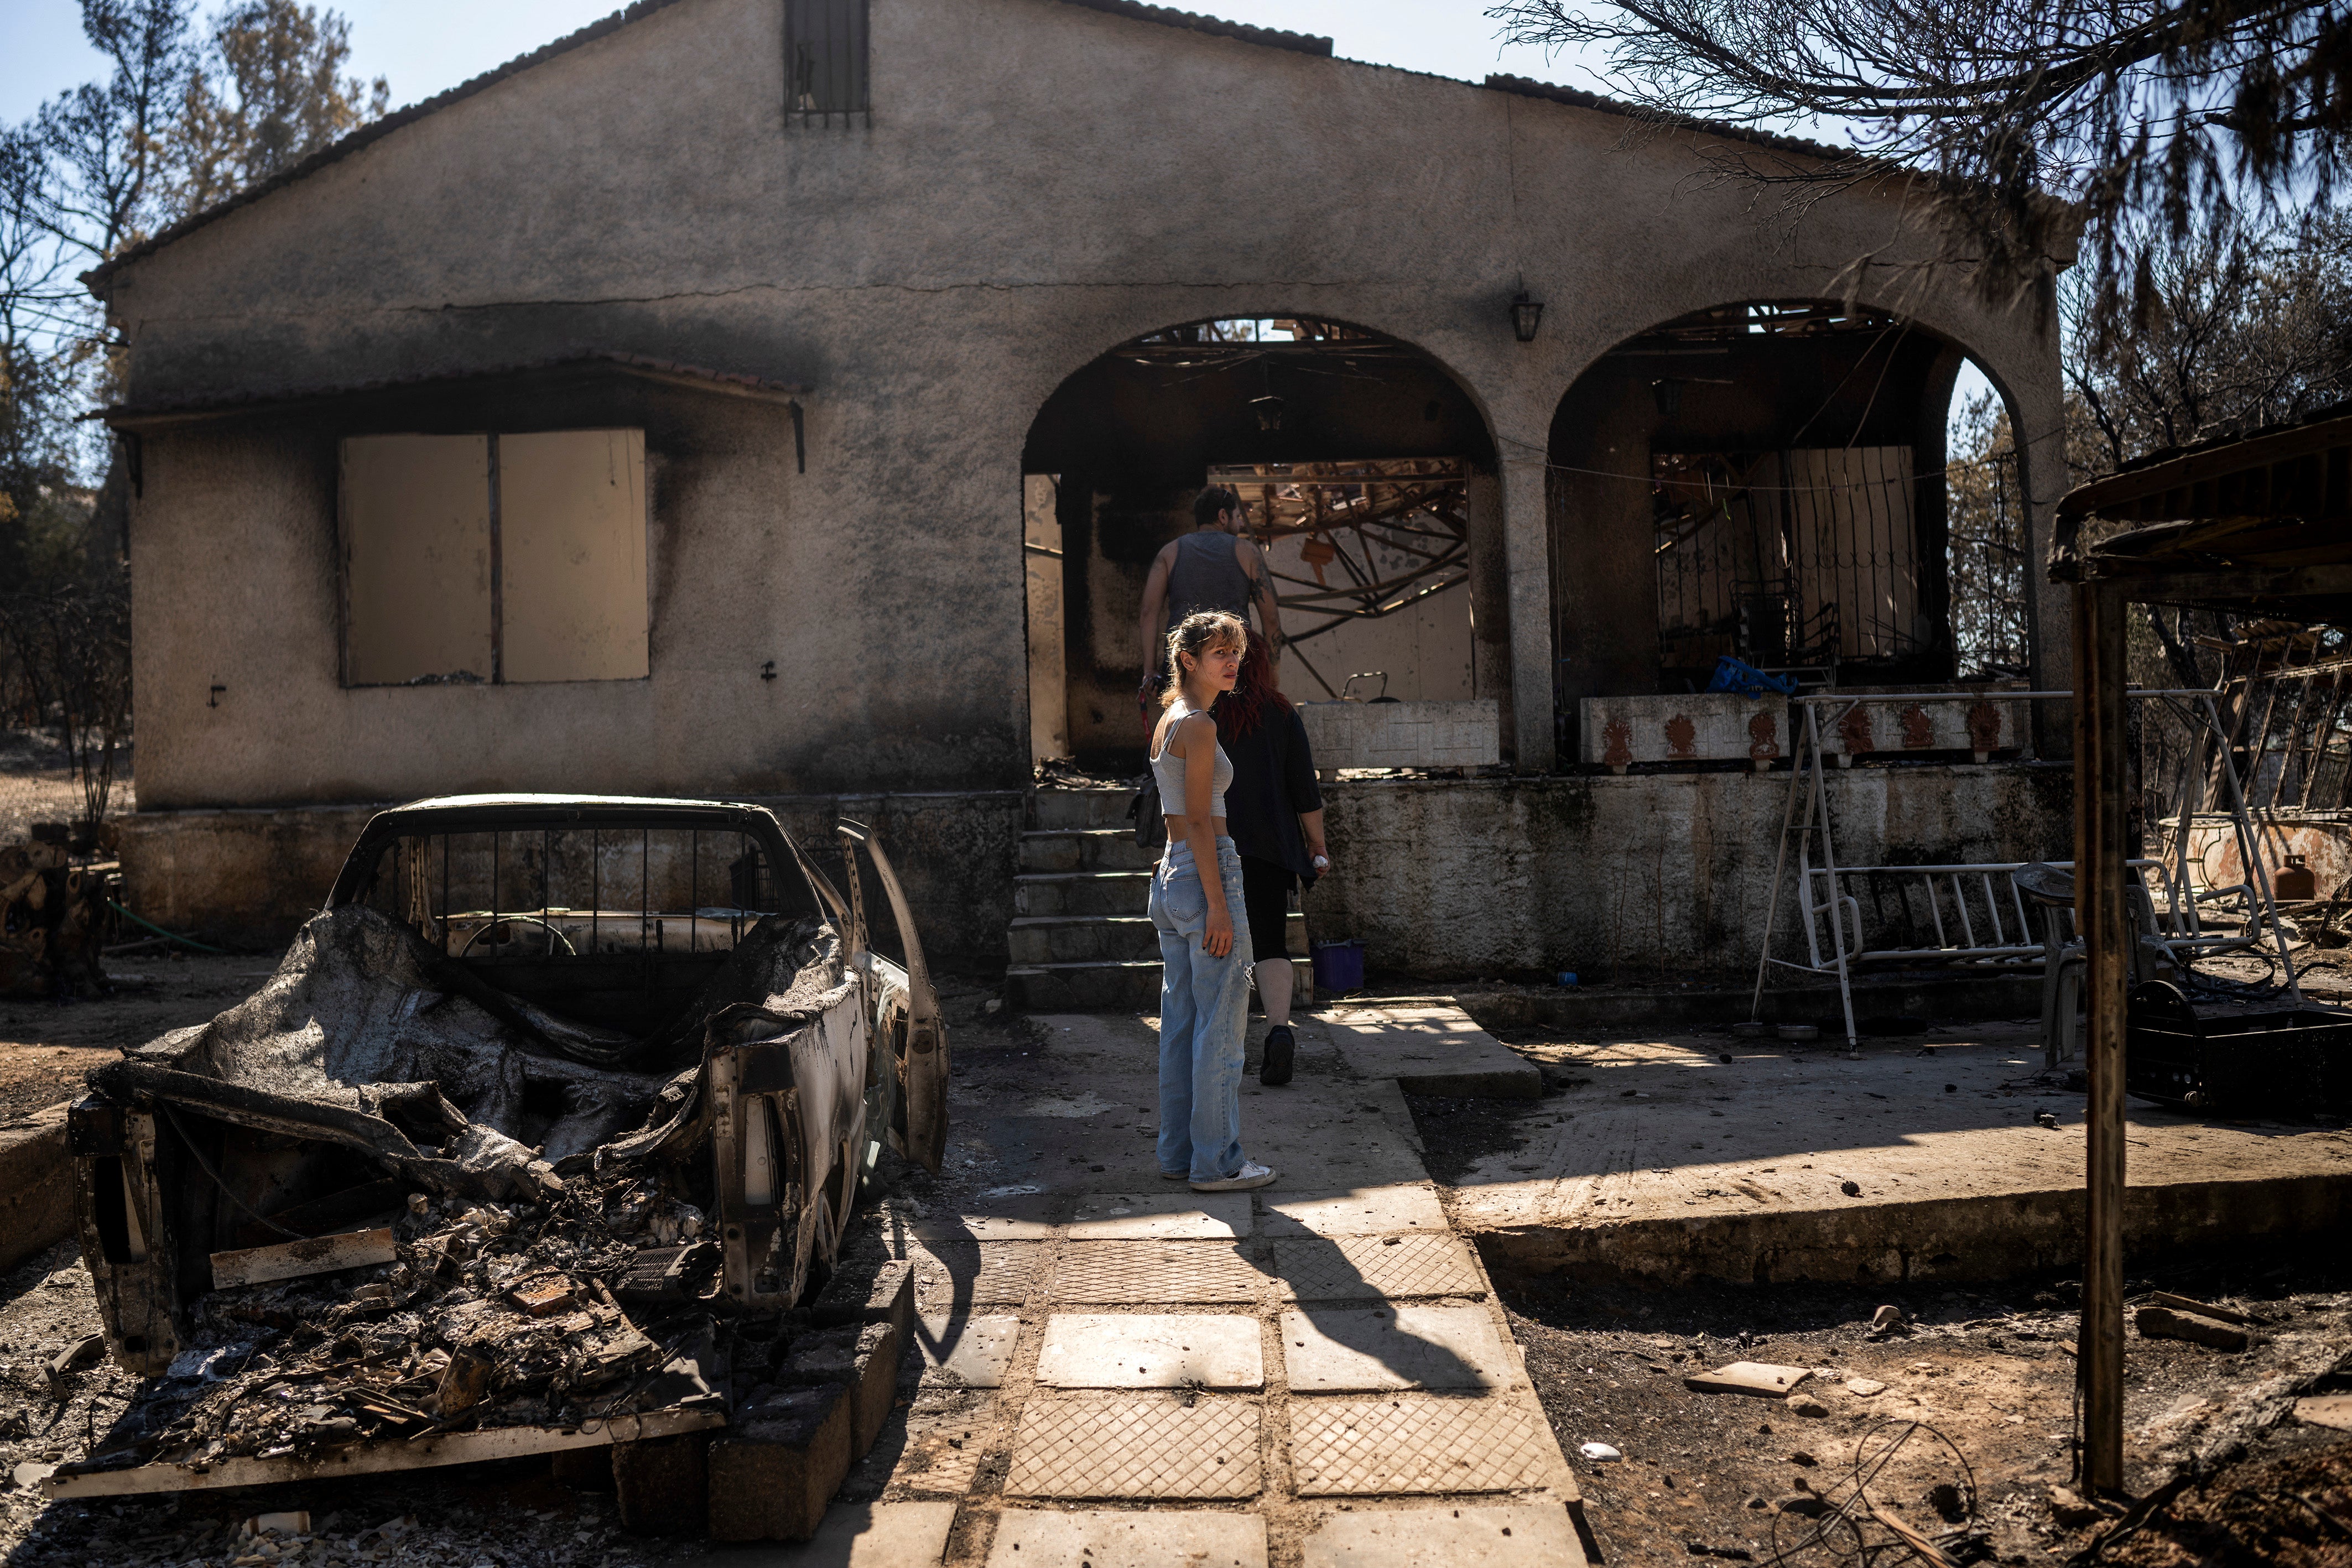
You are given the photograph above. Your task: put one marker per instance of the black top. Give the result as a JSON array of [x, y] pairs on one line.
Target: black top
[[1274, 781]]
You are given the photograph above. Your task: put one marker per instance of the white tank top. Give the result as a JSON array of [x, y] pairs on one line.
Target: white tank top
[[1169, 768]]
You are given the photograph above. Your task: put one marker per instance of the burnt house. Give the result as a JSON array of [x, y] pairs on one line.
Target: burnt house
[[783, 398]]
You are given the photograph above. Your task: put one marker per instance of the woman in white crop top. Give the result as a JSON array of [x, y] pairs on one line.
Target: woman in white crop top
[[1196, 891]]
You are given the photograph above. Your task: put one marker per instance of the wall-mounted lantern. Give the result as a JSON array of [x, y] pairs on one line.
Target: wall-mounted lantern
[[1526, 315], [1268, 410]]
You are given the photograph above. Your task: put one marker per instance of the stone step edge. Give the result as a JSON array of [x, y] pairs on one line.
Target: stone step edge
[[1078, 920], [1078, 875], [1074, 966]]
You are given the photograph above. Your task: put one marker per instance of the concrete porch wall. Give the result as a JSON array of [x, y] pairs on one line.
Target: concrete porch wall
[[249, 878], [1641, 877]]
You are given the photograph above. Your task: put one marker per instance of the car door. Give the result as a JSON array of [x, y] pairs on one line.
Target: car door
[[919, 1048]]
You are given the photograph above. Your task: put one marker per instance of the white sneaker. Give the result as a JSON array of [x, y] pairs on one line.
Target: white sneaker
[[1250, 1175]]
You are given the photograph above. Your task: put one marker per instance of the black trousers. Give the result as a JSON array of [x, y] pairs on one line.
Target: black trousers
[[1266, 895]]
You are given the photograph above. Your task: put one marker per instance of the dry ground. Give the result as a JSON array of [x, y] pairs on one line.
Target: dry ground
[[37, 783], [1983, 1370], [46, 1048]]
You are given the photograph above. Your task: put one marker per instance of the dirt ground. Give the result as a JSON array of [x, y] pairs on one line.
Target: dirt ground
[[46, 1048], [1978, 1398], [37, 783]]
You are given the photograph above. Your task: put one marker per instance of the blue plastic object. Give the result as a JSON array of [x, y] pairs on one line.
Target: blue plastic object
[[1736, 676], [1567, 976], [1338, 965]]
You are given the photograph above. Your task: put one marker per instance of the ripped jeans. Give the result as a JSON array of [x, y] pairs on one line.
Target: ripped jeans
[[1204, 1009]]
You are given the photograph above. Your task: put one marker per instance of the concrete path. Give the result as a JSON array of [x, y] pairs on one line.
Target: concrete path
[[1692, 1155], [1124, 1373]]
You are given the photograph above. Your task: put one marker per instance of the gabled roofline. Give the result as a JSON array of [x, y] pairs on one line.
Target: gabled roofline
[[1215, 26], [1133, 10], [1525, 87], [374, 130]]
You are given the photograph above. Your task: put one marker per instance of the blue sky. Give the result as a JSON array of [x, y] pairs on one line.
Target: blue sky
[[424, 45]]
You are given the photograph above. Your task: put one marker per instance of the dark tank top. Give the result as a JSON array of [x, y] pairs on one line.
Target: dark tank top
[[1206, 577]]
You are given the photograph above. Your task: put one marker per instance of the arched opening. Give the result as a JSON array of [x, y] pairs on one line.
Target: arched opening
[[1764, 480], [1989, 546], [1358, 458]]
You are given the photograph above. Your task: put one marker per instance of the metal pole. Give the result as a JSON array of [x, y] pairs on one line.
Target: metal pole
[[1830, 866], [1779, 869], [2102, 919]]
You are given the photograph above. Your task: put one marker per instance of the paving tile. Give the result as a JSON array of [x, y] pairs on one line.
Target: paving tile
[[1145, 1273], [1394, 1209], [1136, 1444], [948, 1433], [1151, 1351], [1161, 1216], [856, 1535], [977, 1273], [1328, 1352], [964, 1349], [1421, 1443], [1033, 1537], [1324, 1269], [1029, 1216], [1537, 1535]]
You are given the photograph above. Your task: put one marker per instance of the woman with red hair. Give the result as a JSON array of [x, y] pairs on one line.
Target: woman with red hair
[[1273, 813]]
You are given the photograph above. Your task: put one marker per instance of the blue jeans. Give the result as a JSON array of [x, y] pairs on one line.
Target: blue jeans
[[1204, 1009]]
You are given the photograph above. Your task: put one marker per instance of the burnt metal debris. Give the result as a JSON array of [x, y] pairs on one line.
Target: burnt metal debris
[[490, 1166]]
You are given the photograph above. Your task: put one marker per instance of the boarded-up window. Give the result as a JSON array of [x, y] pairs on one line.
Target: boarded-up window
[[572, 519], [493, 558], [416, 557]]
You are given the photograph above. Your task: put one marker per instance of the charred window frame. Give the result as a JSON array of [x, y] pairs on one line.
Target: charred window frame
[[825, 62]]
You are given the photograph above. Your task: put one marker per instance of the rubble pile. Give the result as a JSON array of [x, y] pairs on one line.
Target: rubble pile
[[493, 1315]]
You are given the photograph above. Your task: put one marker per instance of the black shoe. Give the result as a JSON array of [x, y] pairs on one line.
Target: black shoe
[[1281, 1045]]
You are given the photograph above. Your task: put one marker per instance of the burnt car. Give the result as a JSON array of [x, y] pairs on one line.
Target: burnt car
[[556, 1094]]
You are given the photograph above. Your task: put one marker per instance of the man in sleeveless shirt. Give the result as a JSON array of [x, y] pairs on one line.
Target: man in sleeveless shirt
[[1211, 568]]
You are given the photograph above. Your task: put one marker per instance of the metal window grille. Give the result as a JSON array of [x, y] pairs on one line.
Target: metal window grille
[[1986, 548], [824, 61], [1798, 558]]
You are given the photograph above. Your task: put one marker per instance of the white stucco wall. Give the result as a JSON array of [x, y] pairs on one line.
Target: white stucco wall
[[1040, 182]]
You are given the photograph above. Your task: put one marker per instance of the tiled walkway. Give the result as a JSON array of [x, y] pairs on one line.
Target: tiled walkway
[[1122, 1371]]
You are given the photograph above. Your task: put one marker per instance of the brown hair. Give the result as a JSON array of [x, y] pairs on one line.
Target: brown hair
[[1196, 634]]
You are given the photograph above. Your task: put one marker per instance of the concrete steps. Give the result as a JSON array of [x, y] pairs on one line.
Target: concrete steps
[[1082, 939], [1114, 986], [1051, 850], [1081, 893]]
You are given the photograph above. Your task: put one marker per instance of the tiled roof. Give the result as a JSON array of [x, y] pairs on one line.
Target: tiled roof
[[1526, 88], [1215, 26]]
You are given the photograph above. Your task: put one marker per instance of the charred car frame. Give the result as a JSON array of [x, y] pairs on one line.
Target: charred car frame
[[624, 1062]]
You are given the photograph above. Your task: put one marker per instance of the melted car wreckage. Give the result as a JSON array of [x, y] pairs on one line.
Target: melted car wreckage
[[538, 1140]]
